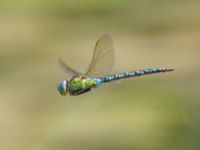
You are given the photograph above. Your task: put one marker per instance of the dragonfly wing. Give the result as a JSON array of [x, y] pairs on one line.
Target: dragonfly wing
[[103, 57], [68, 69]]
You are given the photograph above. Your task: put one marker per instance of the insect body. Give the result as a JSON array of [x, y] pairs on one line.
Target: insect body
[[98, 71]]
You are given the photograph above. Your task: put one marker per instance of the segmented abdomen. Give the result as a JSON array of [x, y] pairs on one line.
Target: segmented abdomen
[[134, 74]]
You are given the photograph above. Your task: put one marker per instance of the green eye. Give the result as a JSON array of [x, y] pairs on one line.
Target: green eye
[[63, 93]]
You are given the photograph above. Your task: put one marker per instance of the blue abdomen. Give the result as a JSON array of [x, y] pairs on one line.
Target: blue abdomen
[[132, 74]]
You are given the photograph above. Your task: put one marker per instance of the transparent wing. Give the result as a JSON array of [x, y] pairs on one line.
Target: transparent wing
[[103, 57], [71, 72]]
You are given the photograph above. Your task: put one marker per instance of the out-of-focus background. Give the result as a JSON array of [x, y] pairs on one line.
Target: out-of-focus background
[[159, 112]]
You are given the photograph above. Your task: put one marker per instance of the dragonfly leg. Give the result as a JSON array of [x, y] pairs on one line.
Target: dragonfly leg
[[79, 92]]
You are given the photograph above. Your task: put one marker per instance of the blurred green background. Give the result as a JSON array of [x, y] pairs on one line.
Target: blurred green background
[[158, 112]]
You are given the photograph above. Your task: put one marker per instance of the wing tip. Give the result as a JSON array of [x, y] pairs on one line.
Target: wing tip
[[106, 35]]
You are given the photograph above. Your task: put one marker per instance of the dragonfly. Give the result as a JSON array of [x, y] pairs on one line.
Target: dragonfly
[[99, 69]]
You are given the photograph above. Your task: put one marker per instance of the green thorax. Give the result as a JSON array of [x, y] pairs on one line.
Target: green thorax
[[80, 82]]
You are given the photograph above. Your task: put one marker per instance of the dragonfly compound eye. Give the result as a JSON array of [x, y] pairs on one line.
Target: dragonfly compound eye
[[62, 87]]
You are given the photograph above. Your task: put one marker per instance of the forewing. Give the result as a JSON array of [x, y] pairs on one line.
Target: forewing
[[103, 57], [71, 72]]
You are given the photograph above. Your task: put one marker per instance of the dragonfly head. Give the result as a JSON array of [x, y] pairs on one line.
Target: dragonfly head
[[62, 87]]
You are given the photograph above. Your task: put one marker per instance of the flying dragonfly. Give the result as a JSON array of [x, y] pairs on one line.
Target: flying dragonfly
[[98, 71]]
